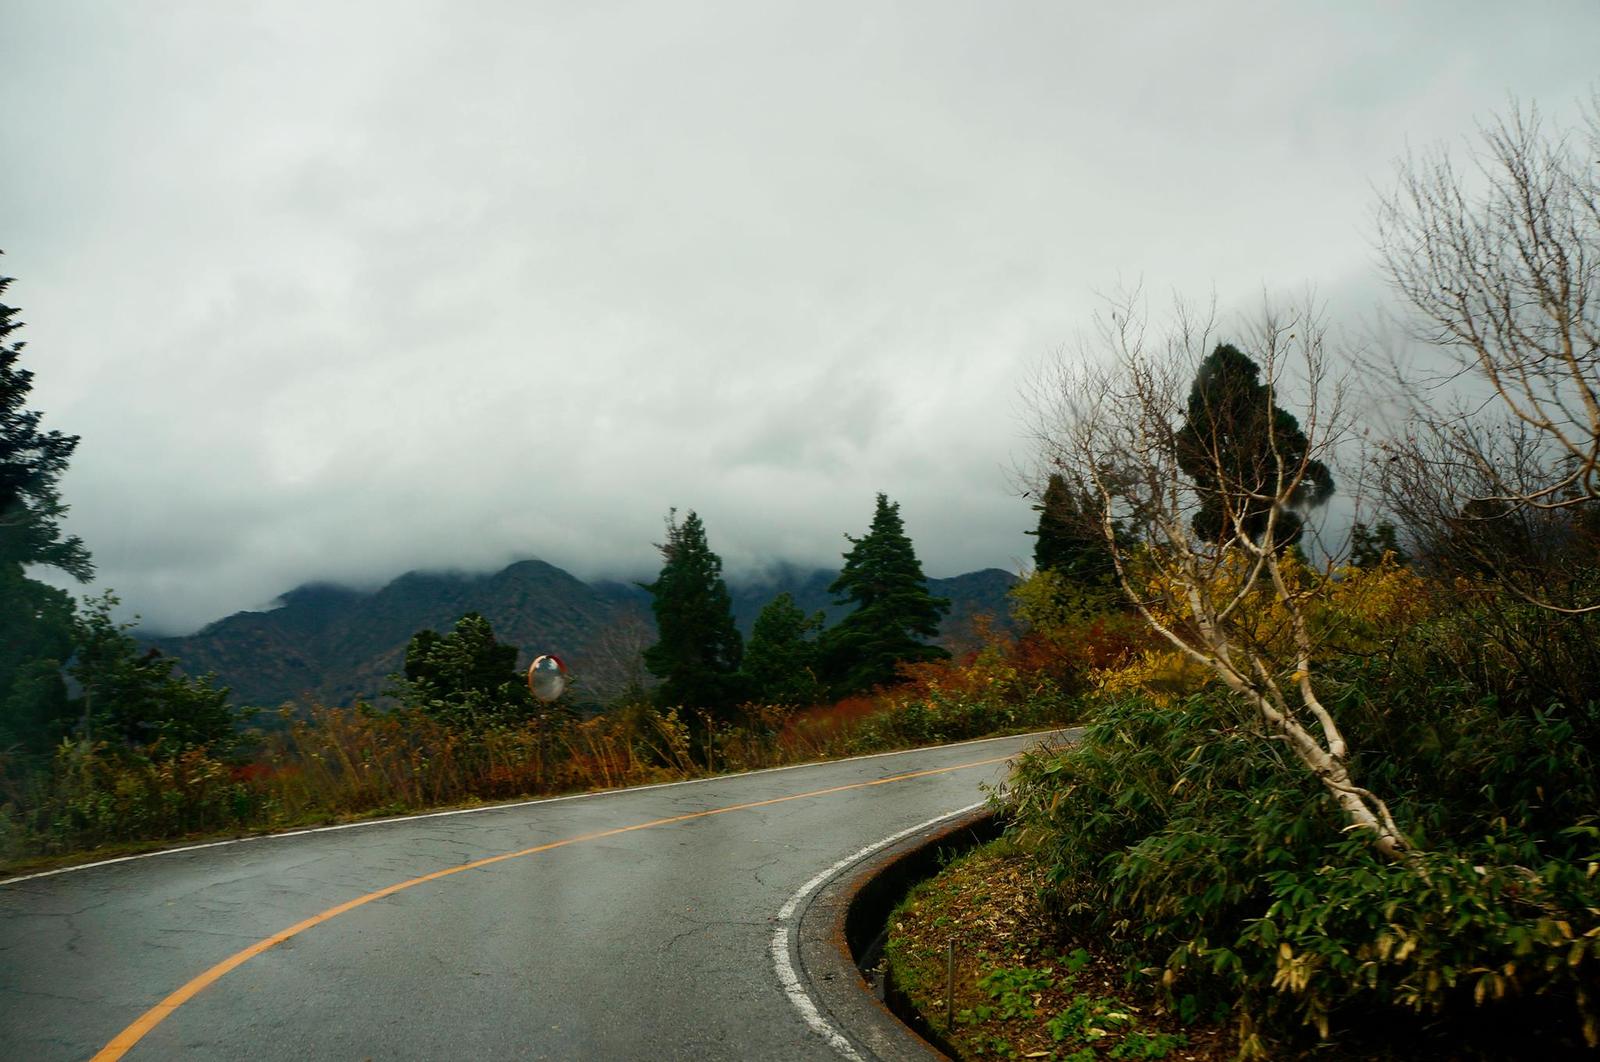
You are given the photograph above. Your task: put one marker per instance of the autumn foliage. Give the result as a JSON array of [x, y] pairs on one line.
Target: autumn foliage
[[326, 764]]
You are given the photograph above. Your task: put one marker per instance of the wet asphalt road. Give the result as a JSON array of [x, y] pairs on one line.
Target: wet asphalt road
[[650, 943]]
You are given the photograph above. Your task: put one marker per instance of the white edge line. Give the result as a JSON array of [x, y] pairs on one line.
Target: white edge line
[[784, 938], [505, 807]]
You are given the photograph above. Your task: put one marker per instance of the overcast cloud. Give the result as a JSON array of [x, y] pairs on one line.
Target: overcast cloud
[[336, 290]]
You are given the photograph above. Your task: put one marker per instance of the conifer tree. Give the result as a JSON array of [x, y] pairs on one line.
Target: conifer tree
[[35, 619], [1233, 444], [35, 640], [1067, 541], [781, 660], [893, 613], [31, 461], [1370, 544], [698, 648]]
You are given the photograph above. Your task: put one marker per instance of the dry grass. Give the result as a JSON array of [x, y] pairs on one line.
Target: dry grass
[[337, 764]]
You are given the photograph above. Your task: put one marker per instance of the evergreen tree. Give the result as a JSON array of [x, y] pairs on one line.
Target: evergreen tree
[[1226, 446], [781, 660], [698, 649], [31, 462], [1370, 544], [467, 678], [35, 619], [893, 610], [35, 640], [1067, 541]]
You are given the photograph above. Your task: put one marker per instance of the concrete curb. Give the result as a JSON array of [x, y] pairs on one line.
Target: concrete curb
[[845, 917]]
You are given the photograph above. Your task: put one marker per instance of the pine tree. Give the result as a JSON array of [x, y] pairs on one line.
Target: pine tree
[[893, 613], [1227, 444], [781, 660], [35, 619], [698, 649], [31, 462], [1067, 541], [1369, 545], [35, 640]]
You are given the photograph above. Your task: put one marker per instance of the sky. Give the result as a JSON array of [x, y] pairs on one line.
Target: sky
[[333, 291]]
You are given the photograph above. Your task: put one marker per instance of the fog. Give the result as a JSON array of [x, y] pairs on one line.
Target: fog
[[333, 291]]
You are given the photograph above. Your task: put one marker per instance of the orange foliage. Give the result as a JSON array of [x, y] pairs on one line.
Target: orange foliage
[[811, 728]]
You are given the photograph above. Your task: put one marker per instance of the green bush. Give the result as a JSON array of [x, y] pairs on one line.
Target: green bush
[[96, 794], [1182, 836]]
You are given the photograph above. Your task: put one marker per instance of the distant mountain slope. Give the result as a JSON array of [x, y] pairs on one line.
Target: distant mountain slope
[[982, 592], [332, 644]]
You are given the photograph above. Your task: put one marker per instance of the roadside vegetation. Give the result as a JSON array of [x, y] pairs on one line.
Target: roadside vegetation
[[336, 763], [1177, 841], [1336, 808], [1018, 992]]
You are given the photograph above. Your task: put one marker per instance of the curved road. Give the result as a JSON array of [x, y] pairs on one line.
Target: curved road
[[643, 923]]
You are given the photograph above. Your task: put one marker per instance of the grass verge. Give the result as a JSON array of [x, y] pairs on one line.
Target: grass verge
[[1019, 993]]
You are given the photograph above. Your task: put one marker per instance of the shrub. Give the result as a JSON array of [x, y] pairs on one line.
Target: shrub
[[1174, 832], [95, 794]]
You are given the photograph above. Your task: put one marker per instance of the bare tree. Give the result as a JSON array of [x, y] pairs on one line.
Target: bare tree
[[1500, 263], [612, 664], [1463, 521], [1223, 592]]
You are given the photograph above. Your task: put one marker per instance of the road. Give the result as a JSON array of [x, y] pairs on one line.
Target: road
[[633, 924]]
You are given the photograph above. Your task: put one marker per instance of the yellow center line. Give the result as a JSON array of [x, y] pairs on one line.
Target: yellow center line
[[127, 1038]]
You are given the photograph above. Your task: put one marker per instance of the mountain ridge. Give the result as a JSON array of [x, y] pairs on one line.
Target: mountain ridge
[[333, 644]]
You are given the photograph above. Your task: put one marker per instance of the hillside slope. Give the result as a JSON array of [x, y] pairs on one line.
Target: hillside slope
[[333, 645]]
